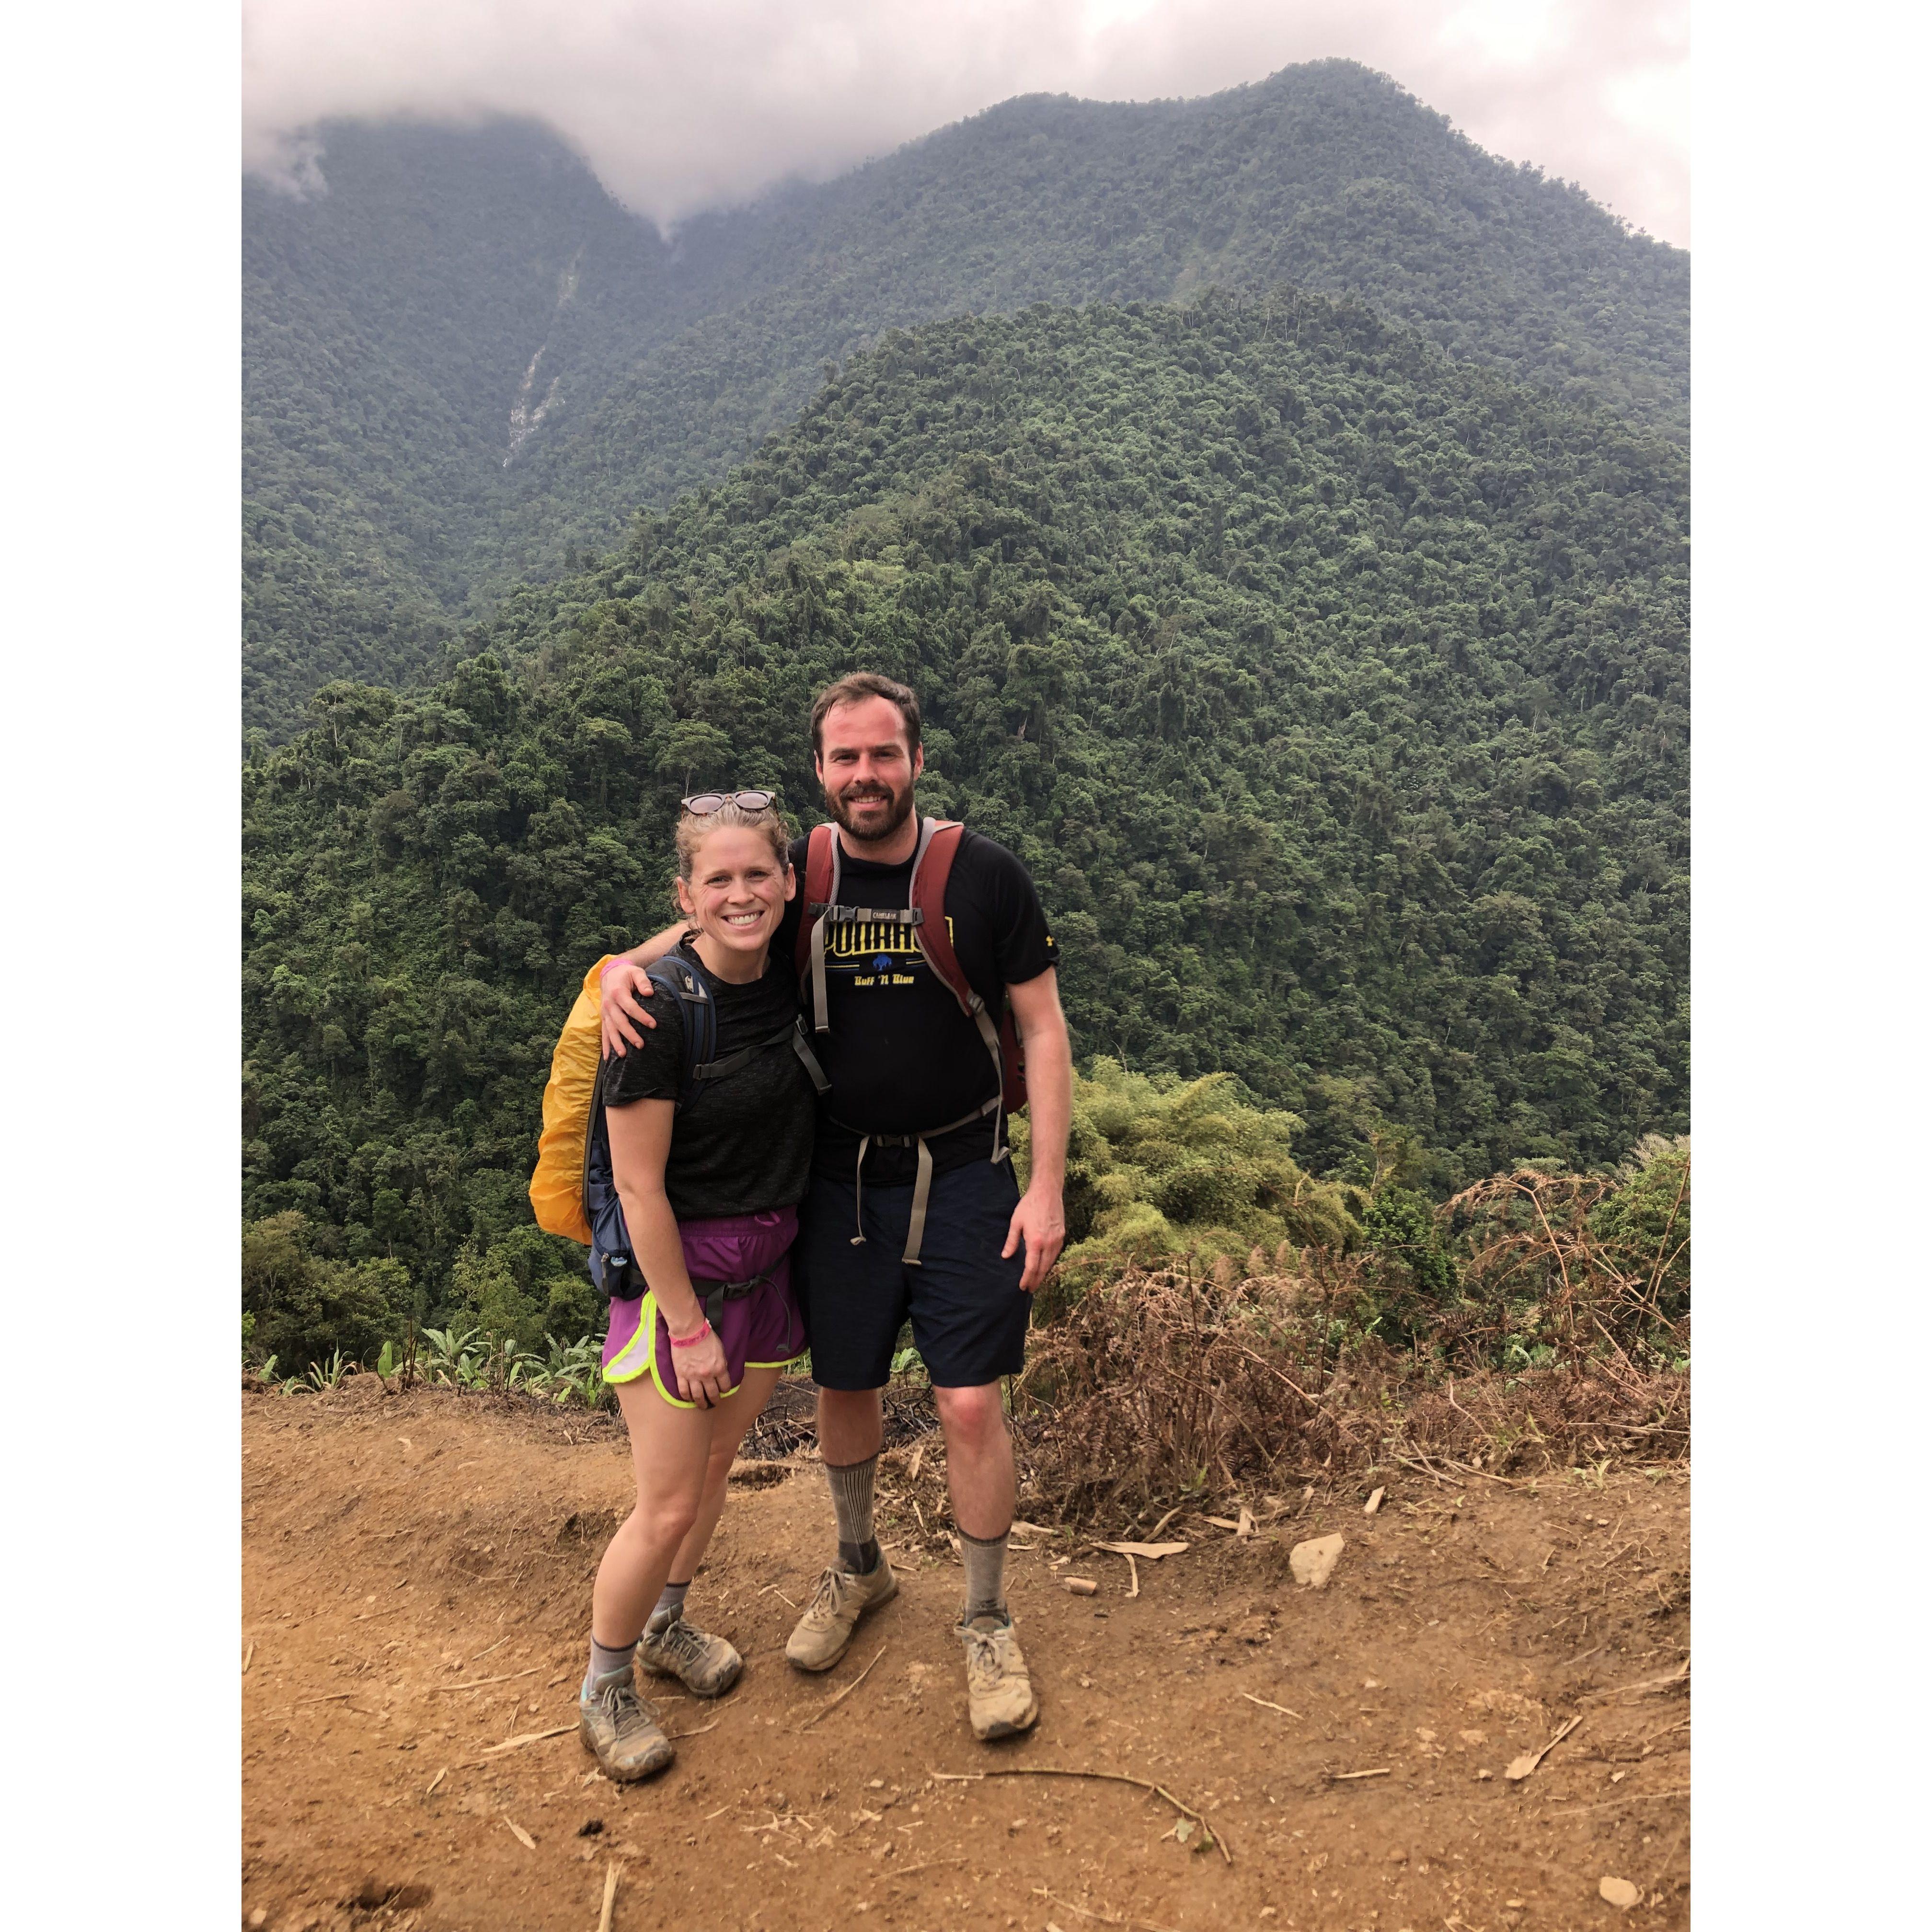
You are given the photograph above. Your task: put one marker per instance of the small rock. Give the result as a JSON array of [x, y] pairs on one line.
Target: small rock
[[1374, 1503], [259, 1917], [1313, 1562], [1081, 1586], [1617, 1892], [1398, 1856]]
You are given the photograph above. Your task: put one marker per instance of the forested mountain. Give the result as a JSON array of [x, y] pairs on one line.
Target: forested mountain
[[1334, 690], [463, 361], [389, 325]]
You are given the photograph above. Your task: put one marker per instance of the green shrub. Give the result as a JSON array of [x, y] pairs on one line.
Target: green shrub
[[1644, 1226], [1158, 1167], [517, 1290], [301, 1308]]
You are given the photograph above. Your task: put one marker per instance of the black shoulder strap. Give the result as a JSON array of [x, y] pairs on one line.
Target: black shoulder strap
[[677, 976]]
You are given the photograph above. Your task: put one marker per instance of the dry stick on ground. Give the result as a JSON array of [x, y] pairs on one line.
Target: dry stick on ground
[[1343, 1776], [1267, 1706], [611, 1872], [436, 1780], [523, 1837], [248, 1659], [518, 1744], [478, 1683], [925, 1865], [1643, 1688], [675, 1735], [832, 1703], [1105, 1918], [1626, 1797], [1101, 1777], [1411, 1462]]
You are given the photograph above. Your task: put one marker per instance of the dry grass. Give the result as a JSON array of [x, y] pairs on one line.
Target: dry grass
[[1538, 1258], [1157, 1386]]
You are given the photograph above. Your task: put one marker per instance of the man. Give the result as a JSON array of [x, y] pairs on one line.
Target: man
[[913, 1121]]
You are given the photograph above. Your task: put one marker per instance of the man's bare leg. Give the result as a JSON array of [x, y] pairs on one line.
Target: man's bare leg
[[851, 1425], [979, 1459]]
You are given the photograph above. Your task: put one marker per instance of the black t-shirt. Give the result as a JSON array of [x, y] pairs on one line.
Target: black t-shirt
[[744, 1143], [901, 1057]]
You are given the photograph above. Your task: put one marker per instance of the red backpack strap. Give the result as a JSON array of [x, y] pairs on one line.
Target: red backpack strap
[[929, 900], [935, 941], [820, 889]]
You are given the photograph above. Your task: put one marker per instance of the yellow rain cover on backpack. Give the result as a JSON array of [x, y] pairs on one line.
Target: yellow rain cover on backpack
[[556, 1187]]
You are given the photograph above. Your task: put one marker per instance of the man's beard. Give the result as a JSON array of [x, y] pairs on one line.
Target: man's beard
[[880, 830]]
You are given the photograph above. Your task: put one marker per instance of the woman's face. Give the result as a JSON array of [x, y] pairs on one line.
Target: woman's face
[[738, 888]]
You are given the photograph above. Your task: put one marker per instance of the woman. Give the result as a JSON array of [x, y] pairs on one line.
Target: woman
[[709, 1195]]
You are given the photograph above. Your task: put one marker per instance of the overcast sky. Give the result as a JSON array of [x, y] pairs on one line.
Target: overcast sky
[[680, 105]]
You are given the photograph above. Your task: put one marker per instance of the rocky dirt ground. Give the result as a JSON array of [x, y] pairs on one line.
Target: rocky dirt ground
[[416, 1580]]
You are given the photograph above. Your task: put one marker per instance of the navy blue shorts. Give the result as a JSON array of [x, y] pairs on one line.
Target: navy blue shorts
[[968, 1312]]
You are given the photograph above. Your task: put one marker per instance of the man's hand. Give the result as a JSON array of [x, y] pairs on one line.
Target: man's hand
[[1040, 1222], [621, 990]]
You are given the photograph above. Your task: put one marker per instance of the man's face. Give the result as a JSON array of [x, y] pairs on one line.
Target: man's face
[[866, 768]]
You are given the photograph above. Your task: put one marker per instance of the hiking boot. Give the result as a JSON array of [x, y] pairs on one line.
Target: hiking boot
[[621, 1732], [999, 1693], [706, 1665], [821, 1636]]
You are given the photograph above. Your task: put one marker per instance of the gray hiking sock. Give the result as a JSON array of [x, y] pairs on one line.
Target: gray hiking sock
[[606, 1663], [985, 1560], [670, 1606], [851, 1486]]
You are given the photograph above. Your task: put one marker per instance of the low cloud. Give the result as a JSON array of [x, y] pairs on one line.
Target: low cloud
[[680, 107]]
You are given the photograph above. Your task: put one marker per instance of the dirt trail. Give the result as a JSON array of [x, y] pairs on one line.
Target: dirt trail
[[416, 1579]]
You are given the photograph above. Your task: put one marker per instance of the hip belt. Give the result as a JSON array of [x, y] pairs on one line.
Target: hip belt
[[712, 1295], [922, 1190]]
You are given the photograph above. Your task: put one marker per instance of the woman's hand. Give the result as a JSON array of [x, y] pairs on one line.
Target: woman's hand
[[704, 1375]]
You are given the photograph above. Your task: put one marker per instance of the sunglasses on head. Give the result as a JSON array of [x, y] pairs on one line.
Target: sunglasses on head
[[701, 805]]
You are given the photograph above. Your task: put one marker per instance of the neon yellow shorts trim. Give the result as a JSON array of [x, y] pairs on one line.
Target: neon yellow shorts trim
[[639, 1356]]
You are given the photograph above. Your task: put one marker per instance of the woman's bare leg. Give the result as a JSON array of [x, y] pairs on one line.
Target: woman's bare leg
[[732, 1419], [670, 1452]]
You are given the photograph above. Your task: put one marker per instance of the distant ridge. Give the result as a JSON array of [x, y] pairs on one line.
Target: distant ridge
[[455, 299]]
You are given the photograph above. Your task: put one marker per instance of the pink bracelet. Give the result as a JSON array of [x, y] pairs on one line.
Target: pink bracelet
[[688, 1341]]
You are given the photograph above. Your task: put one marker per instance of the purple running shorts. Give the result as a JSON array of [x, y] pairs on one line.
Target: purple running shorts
[[762, 1330]]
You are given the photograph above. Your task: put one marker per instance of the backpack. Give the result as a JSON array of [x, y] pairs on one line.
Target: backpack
[[925, 913], [572, 1192]]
